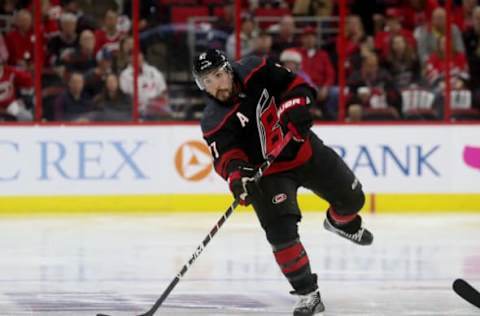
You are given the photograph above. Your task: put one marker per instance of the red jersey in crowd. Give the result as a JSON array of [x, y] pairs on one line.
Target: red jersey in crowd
[[415, 17], [51, 17], [111, 43], [10, 80], [436, 65], [20, 46], [316, 63]]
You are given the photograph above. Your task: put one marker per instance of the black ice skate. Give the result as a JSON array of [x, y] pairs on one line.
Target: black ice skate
[[352, 231], [309, 304]]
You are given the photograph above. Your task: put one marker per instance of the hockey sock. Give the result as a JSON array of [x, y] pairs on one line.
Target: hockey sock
[[295, 265], [348, 223]]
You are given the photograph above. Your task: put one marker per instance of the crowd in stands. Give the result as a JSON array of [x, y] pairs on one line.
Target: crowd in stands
[[395, 56]]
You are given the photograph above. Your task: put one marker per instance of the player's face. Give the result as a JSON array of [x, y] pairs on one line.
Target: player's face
[[219, 83]]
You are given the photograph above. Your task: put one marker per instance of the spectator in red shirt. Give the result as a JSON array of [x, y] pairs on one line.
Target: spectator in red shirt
[[51, 11], [108, 36], [316, 63], [418, 12], [20, 40], [434, 73], [13, 80], [393, 27], [462, 15], [357, 44]]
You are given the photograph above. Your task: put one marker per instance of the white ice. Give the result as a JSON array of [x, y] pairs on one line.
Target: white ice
[[119, 265]]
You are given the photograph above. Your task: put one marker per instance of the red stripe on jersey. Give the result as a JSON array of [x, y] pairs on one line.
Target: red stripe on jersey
[[227, 157], [291, 258], [304, 153], [219, 126], [263, 63], [296, 82]]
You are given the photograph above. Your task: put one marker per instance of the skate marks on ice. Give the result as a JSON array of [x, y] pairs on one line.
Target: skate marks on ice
[[120, 266], [80, 303]]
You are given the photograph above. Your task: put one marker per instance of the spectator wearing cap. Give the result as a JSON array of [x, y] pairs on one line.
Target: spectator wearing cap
[[74, 104], [248, 33], [12, 81], [286, 35], [152, 88], [20, 40], [292, 60], [316, 63], [427, 36], [393, 27], [64, 43], [83, 59]]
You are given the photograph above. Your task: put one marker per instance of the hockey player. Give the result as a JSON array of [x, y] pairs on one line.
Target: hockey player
[[250, 106]]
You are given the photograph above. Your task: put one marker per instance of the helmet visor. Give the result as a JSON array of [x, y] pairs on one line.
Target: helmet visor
[[205, 78]]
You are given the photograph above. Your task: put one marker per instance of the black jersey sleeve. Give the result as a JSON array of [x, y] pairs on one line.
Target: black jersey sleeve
[[220, 130], [287, 83]]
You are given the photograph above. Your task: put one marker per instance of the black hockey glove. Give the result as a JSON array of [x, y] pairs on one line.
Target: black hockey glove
[[240, 179], [296, 117]]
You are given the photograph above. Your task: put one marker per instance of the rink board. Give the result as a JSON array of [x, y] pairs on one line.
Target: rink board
[[83, 169]]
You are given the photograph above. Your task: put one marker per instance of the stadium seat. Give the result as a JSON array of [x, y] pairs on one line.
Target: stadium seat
[[179, 2], [181, 14], [418, 104], [270, 12], [461, 106], [213, 2]]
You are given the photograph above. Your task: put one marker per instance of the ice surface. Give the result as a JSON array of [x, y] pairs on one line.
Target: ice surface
[[121, 264]]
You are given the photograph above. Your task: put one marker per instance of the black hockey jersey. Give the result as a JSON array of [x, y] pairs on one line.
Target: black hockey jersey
[[247, 127]]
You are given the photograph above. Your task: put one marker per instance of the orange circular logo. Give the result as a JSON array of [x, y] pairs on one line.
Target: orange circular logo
[[193, 160]]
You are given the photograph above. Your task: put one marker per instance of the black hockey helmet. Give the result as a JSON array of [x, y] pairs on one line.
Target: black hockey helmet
[[208, 61]]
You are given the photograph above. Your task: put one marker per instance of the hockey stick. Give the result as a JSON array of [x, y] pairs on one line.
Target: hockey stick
[[467, 292], [271, 157]]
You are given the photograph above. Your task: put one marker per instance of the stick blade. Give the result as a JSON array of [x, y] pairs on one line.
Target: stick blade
[[467, 292]]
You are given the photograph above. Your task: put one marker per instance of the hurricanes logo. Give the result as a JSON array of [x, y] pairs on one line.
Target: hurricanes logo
[[193, 161], [279, 198]]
